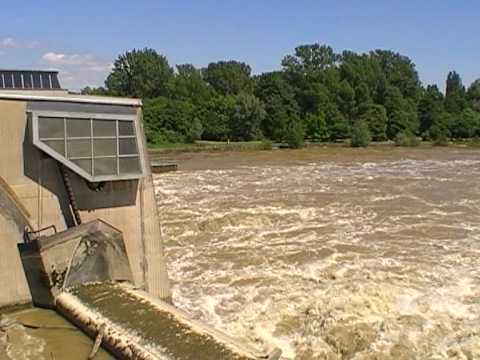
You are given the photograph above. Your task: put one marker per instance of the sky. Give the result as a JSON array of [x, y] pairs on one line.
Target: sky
[[81, 39]]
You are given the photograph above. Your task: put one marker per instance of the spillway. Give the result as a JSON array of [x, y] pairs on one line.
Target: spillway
[[138, 326], [87, 275]]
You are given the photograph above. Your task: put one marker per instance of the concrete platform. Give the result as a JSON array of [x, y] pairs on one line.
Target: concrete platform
[[135, 325], [162, 166]]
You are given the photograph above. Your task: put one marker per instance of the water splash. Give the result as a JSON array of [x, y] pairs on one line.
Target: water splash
[[369, 260]]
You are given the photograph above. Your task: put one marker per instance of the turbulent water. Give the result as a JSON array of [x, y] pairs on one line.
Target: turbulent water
[[331, 257]]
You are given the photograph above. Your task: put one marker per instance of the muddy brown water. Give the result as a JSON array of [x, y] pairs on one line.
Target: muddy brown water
[[47, 337], [330, 253]]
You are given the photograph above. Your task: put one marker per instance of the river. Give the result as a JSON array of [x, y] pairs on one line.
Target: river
[[330, 253]]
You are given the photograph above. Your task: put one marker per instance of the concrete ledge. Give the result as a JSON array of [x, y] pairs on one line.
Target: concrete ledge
[[136, 325]]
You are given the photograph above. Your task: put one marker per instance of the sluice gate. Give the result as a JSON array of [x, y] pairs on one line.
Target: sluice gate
[[86, 273]]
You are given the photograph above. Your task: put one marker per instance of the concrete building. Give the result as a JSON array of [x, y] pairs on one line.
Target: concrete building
[[67, 159]]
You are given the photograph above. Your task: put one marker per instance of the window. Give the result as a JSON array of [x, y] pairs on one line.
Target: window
[[97, 148]]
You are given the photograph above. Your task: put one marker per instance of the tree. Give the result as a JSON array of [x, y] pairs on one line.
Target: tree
[[401, 112], [99, 91], [247, 118], [375, 116], [215, 116], [229, 77], [399, 72], [455, 97], [361, 136], [279, 102], [316, 127], [295, 134], [402, 121], [454, 83], [346, 99], [466, 124], [310, 58], [169, 120], [318, 94], [338, 126], [140, 73], [473, 95], [430, 107], [188, 84]]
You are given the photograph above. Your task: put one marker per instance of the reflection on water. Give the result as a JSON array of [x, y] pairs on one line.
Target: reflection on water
[[331, 254]]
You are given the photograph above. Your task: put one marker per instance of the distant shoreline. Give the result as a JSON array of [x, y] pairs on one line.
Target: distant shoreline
[[229, 158], [211, 146]]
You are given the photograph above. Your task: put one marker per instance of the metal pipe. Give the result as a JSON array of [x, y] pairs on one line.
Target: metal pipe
[[70, 194]]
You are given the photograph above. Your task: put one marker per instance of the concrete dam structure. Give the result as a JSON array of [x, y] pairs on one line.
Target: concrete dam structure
[[79, 225]]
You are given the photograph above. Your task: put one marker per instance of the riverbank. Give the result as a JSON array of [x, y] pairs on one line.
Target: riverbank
[[208, 146], [213, 159]]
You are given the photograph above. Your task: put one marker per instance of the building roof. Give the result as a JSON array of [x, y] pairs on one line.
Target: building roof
[[65, 96], [43, 85]]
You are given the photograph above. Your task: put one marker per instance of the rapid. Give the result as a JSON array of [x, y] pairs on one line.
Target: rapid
[[330, 253]]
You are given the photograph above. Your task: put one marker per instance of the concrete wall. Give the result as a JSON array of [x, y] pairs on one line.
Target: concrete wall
[[13, 284], [128, 205]]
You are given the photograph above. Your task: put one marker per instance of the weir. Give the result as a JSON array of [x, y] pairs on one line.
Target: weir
[[79, 226]]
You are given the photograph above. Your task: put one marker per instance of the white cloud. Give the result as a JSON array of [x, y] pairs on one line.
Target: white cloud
[[78, 70], [11, 43], [85, 60]]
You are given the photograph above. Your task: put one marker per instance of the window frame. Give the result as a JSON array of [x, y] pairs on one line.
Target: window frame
[[91, 116]]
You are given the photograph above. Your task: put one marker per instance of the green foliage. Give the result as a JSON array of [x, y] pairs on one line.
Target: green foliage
[[402, 121], [361, 136], [229, 77], [279, 103], [399, 72], [455, 98], [438, 135], [215, 115], [247, 118], [338, 126], [295, 135], [188, 84], [98, 91], [375, 116], [466, 124], [316, 127], [318, 94], [473, 95], [141, 74], [406, 138], [266, 144], [171, 121], [429, 108], [310, 58]]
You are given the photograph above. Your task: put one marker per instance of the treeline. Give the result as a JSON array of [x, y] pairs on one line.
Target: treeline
[[318, 95]]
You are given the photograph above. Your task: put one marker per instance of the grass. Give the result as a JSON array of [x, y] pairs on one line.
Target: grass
[[201, 145]]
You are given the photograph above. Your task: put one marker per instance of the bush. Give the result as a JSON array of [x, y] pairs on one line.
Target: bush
[[406, 138], [361, 136], [440, 141], [266, 144], [316, 127], [438, 135], [295, 136]]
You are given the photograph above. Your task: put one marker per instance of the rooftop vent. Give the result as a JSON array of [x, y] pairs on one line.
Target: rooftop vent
[[29, 80]]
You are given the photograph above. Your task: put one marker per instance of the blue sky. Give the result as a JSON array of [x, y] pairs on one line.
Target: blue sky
[[82, 38]]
